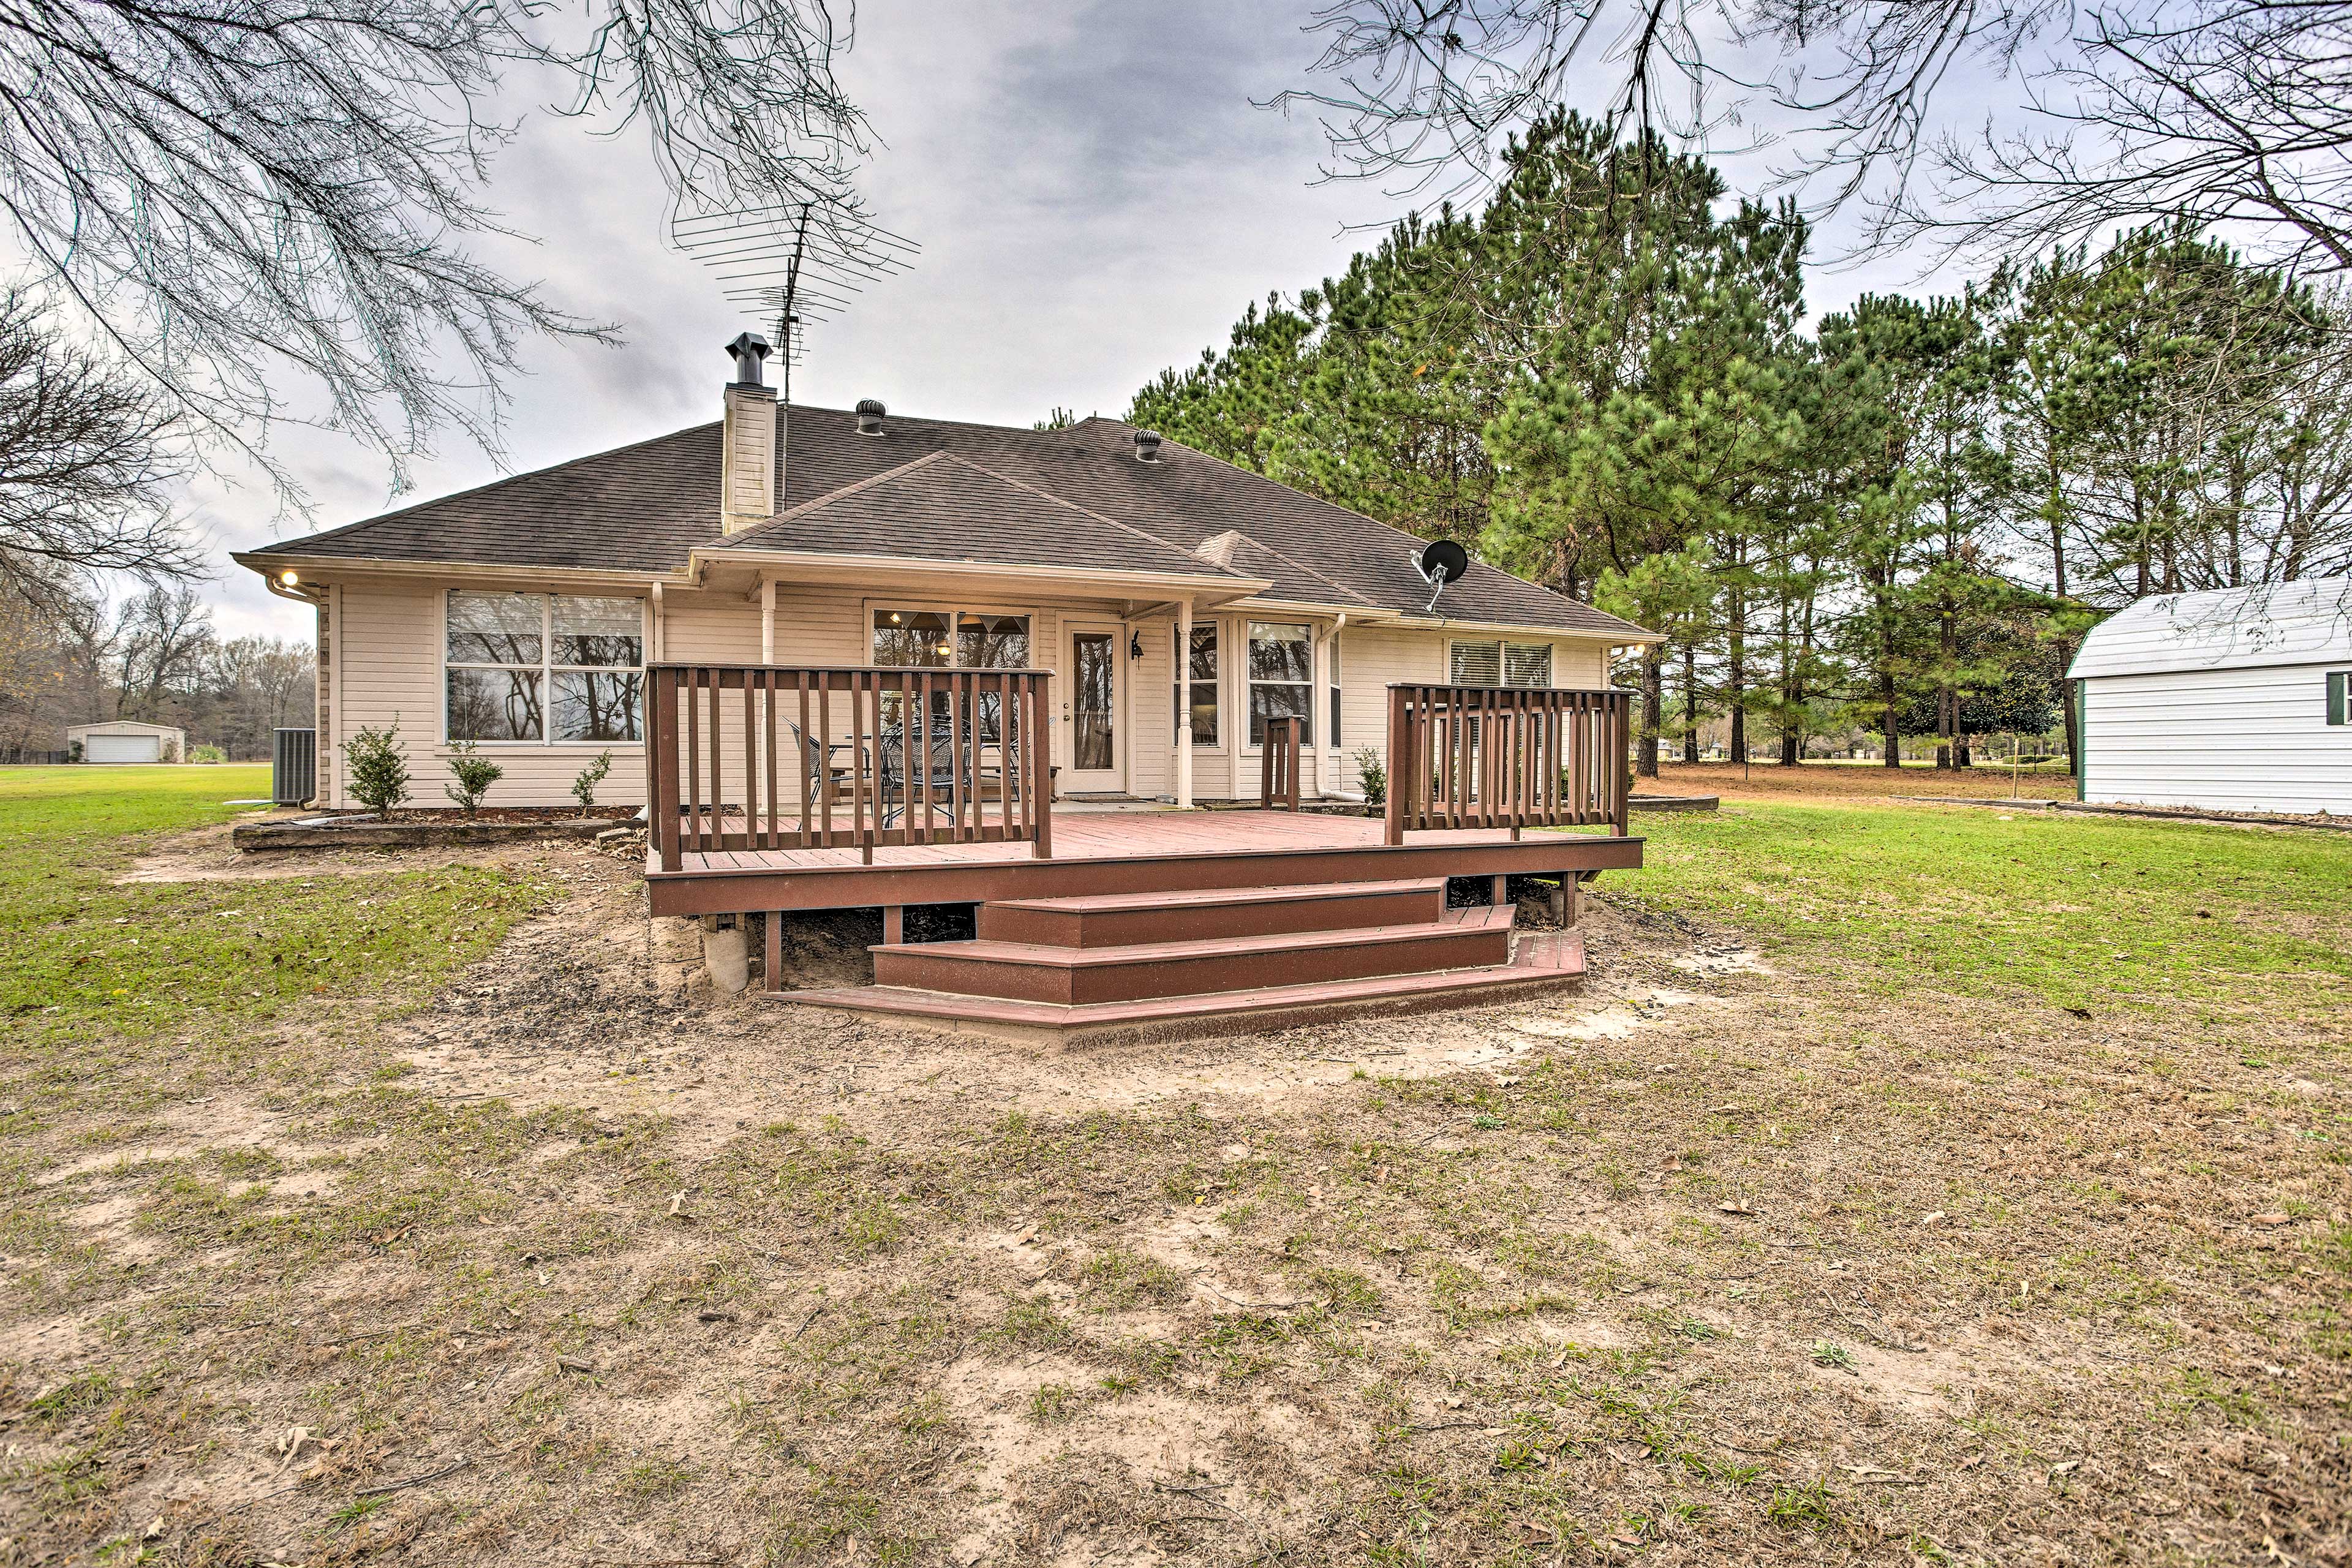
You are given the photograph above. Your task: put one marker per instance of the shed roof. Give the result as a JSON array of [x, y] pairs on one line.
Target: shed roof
[[2309, 622], [123, 727]]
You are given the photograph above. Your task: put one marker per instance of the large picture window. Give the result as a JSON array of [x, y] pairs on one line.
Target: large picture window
[[544, 667], [1196, 688], [1281, 672]]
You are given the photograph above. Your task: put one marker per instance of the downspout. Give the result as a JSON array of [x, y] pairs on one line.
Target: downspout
[[660, 641]]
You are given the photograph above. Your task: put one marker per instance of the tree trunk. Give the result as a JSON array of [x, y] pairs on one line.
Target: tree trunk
[[1690, 703], [1890, 719], [1738, 675], [1653, 686]]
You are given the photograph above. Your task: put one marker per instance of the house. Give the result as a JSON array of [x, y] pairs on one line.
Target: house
[[123, 740], [2233, 699], [851, 658]]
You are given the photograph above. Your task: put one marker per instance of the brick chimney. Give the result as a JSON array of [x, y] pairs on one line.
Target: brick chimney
[[747, 466]]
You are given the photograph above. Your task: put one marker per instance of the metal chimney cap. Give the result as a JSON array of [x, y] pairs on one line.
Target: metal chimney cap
[[869, 416], [749, 350], [1146, 446]]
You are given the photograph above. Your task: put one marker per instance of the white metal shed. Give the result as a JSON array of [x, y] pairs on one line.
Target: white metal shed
[[126, 740], [2235, 700]]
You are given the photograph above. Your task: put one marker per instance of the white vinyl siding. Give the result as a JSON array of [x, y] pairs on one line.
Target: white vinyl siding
[[2230, 739]]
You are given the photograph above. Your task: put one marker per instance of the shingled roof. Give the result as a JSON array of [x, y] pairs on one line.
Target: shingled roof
[[1013, 492]]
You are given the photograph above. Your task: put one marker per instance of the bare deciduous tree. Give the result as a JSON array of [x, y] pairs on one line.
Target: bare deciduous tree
[[239, 195], [2209, 112], [85, 474], [161, 638]]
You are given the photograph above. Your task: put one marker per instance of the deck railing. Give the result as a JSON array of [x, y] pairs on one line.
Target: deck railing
[[1278, 764], [1484, 756], [774, 757]]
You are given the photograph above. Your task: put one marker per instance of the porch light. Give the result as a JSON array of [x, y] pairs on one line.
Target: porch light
[[1135, 645], [894, 617], [289, 577]]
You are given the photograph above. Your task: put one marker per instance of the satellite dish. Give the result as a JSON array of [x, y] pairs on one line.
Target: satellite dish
[[1441, 561]]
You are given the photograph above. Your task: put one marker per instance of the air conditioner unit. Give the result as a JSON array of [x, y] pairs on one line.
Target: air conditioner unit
[[294, 767]]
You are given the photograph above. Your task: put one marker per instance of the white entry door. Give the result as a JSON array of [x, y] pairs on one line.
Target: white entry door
[[1091, 711]]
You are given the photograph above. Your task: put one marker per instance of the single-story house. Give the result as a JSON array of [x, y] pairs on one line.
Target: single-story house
[[520, 616], [124, 740], [854, 659], [2233, 699]]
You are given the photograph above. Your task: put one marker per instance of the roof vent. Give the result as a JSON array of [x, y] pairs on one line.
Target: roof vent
[[869, 416], [1146, 446], [748, 350]]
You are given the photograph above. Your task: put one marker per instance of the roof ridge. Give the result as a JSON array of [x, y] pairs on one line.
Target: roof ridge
[[868, 483], [1289, 560], [1089, 511]]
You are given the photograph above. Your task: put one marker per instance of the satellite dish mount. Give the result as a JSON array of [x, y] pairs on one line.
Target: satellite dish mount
[[1440, 561]]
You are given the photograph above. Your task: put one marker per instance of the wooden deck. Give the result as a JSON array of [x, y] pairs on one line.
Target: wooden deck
[[1118, 852]]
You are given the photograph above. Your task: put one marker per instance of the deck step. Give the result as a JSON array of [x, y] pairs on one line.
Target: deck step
[[1113, 919], [1077, 976], [1541, 960]]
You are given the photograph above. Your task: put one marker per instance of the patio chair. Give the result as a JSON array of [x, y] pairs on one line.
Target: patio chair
[[950, 772]]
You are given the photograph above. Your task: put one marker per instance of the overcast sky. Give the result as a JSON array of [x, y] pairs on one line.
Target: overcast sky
[[1094, 196]]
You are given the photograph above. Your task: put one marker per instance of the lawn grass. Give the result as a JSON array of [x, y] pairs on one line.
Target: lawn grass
[[143, 989], [2059, 911], [1883, 1256]]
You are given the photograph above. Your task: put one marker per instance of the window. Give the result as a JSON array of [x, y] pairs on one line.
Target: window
[[1281, 666], [913, 639], [1199, 680], [544, 666], [1502, 664], [2340, 696], [1526, 664], [922, 639]]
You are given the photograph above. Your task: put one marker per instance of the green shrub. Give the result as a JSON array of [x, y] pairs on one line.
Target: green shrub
[[583, 788], [379, 773], [1373, 775], [206, 754], [474, 774]]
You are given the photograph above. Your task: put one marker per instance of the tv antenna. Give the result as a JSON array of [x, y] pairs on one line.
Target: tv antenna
[[796, 265]]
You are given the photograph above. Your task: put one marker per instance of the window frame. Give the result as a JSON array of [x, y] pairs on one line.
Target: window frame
[[1182, 683], [546, 668], [1503, 648], [1252, 733], [954, 610]]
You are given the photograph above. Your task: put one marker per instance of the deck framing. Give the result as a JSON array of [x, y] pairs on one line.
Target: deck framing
[[741, 883]]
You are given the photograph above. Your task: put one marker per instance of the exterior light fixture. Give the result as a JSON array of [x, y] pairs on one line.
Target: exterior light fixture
[[1135, 645], [289, 578]]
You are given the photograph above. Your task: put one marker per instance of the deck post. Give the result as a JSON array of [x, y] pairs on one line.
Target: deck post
[[771, 976], [1502, 890], [1399, 761], [1041, 765], [894, 925]]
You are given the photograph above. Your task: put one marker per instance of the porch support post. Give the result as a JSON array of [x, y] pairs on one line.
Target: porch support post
[[1184, 704], [1328, 772], [768, 620]]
